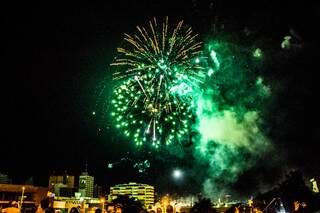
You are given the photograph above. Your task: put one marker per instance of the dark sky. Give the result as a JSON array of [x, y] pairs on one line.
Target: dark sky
[[57, 54]]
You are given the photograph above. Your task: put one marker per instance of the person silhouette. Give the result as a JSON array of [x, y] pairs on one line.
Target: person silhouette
[[13, 208]]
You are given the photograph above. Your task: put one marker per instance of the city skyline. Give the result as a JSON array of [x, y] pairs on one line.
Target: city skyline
[[57, 67]]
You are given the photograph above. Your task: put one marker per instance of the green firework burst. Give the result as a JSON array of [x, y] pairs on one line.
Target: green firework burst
[[157, 74]]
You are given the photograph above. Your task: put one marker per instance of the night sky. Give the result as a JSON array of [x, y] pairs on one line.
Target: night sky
[[57, 55]]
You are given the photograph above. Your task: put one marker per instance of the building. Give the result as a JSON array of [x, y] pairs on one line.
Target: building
[[31, 194], [314, 185], [142, 192], [97, 191], [67, 180], [59, 184], [86, 183], [67, 192], [87, 205]]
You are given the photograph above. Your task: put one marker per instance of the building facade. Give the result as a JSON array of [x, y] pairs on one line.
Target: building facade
[[142, 192], [87, 205], [97, 191], [61, 183], [86, 183], [67, 180]]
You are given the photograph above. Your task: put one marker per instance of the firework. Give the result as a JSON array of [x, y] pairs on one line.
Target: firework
[[157, 73]]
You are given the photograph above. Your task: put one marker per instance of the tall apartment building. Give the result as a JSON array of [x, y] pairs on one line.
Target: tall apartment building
[[86, 183], [142, 192], [97, 191]]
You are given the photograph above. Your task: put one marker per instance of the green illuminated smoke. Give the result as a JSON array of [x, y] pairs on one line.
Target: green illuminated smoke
[[229, 116], [160, 101]]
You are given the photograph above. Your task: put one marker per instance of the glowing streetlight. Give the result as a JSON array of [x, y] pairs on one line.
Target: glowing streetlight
[[22, 194], [102, 201]]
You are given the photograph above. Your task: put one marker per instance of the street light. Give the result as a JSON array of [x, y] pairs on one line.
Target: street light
[[102, 200], [22, 194]]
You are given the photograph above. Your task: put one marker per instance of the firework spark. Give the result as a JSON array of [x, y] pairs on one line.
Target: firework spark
[[157, 73]]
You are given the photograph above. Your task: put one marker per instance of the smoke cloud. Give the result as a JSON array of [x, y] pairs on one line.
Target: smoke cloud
[[230, 138]]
